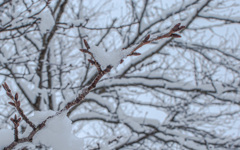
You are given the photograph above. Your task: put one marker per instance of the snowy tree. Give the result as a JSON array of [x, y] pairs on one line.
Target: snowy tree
[[114, 74]]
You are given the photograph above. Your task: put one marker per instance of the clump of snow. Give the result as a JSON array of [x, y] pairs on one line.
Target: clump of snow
[[26, 145], [39, 116], [47, 21], [6, 137], [58, 134], [112, 58]]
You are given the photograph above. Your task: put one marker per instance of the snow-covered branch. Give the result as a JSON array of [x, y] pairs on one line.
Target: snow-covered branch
[[99, 61], [133, 85]]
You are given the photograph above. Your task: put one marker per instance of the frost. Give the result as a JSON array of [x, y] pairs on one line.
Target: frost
[[112, 58]]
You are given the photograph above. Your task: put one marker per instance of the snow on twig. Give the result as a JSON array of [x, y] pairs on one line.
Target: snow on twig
[[103, 61]]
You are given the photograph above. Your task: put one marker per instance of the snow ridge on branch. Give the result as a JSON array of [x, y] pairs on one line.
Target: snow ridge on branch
[[103, 61]]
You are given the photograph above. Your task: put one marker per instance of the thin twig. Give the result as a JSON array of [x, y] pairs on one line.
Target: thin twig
[[81, 96], [16, 103], [16, 121]]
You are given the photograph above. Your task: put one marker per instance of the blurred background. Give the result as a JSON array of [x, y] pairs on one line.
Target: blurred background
[[178, 94]]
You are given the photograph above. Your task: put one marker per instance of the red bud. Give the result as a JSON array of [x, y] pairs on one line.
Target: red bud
[[84, 50], [176, 27], [11, 103], [175, 35], [86, 44], [92, 62], [16, 96], [135, 54], [146, 38]]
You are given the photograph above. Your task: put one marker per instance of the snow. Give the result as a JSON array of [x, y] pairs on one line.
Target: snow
[[35, 40], [47, 21], [101, 101], [3, 60], [112, 58], [156, 83], [130, 121], [30, 93], [76, 22], [57, 133], [90, 115], [4, 19], [220, 16], [6, 137], [27, 145], [167, 98]]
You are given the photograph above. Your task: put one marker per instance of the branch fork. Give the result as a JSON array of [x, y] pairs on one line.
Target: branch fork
[[16, 103], [147, 40], [101, 72]]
